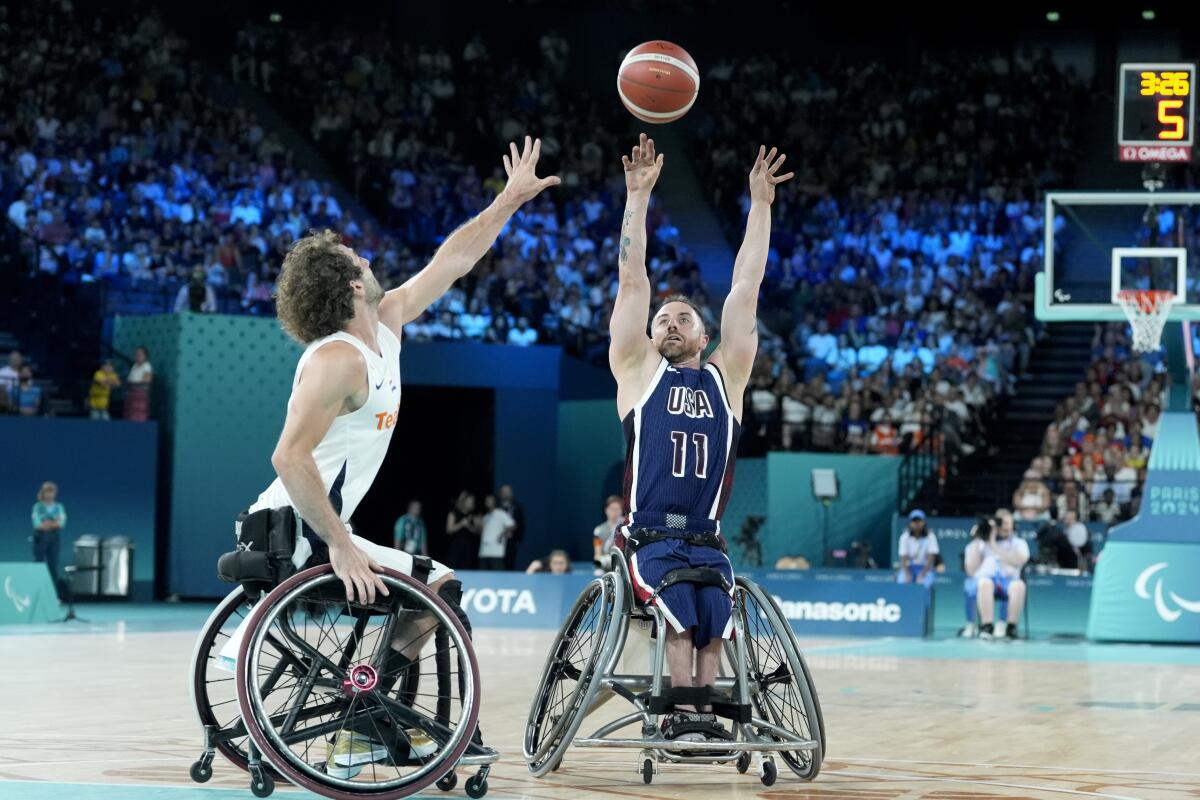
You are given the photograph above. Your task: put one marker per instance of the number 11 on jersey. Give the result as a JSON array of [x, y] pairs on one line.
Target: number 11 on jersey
[[700, 444]]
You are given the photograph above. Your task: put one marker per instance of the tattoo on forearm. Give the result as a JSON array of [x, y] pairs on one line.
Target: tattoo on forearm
[[625, 237]]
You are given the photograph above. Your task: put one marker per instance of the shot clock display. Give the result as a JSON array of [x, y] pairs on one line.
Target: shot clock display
[[1155, 112]]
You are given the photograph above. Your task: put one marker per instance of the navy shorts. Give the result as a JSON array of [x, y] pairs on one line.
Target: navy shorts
[[705, 610]]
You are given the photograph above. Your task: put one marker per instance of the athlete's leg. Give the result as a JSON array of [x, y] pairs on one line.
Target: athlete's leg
[[1016, 600], [412, 629], [986, 597], [679, 659]]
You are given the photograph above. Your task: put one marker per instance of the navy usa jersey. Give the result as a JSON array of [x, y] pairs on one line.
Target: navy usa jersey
[[681, 439]]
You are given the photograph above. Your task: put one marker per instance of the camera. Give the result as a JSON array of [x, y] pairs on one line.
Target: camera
[[983, 528]]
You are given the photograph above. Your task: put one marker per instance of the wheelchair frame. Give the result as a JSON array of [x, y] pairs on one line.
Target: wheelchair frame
[[754, 736], [278, 605]]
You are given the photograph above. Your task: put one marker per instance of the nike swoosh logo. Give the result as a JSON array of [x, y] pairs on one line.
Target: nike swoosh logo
[[379, 385]]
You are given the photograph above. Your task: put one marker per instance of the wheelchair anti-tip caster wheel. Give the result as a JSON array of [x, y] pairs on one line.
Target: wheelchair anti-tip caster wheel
[[767, 773], [261, 783], [201, 771], [647, 770], [743, 763], [448, 781], [476, 787]]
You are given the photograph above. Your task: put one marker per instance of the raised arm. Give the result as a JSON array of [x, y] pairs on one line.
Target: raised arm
[[630, 347], [462, 249], [739, 317]]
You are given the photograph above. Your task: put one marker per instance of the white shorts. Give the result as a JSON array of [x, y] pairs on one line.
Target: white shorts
[[388, 557]]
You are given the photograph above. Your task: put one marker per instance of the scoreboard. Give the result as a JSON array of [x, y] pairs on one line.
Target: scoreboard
[[1156, 105]]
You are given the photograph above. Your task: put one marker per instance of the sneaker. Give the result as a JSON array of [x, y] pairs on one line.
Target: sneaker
[[349, 752], [419, 744], [986, 632], [1011, 632], [967, 630]]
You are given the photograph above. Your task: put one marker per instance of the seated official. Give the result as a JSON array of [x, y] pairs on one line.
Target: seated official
[[918, 552]]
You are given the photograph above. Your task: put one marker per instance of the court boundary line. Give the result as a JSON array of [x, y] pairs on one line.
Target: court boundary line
[[1104, 770], [913, 778]]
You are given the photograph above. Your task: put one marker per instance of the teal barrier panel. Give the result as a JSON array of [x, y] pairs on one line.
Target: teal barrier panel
[[797, 521], [1057, 605], [28, 594], [1147, 592]]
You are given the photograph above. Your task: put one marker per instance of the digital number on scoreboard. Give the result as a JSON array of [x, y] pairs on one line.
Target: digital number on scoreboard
[[1156, 106]]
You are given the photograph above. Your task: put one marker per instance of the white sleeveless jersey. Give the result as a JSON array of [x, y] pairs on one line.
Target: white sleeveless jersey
[[352, 451]]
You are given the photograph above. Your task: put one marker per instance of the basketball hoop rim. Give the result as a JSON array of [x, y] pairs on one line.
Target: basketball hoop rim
[[1146, 301]]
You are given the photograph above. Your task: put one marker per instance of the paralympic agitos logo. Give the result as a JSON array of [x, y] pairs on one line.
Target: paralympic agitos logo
[[1165, 609]]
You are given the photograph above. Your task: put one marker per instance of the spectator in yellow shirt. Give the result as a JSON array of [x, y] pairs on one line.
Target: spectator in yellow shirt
[[103, 382]]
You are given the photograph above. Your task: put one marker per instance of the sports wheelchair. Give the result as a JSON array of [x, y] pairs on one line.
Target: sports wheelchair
[[764, 689], [312, 666]]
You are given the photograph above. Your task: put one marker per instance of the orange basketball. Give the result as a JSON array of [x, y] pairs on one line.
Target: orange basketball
[[658, 82]]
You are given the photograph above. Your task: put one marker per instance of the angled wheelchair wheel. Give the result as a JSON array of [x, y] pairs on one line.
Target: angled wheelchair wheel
[[584, 647], [214, 690], [781, 688], [335, 708]]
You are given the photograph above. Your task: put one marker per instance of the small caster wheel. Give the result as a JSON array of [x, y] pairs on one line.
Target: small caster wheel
[[647, 771], [743, 763], [202, 770], [767, 774], [476, 787], [448, 781], [261, 784]]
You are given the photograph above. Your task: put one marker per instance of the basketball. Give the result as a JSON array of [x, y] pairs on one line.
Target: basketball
[[658, 82]]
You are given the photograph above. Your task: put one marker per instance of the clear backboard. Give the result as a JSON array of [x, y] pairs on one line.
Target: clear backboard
[[1098, 244]]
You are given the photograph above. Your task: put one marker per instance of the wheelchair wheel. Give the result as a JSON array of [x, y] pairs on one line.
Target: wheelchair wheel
[[583, 648], [781, 688], [334, 679], [214, 693]]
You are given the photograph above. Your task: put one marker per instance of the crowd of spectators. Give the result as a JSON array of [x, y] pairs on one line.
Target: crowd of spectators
[[1092, 462], [899, 283], [410, 126]]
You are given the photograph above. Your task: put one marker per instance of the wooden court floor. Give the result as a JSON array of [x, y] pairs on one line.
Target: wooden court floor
[[101, 711]]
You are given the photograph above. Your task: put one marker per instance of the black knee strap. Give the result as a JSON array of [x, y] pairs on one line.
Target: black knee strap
[[452, 593]]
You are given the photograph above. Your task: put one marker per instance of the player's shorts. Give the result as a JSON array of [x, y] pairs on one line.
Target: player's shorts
[[1002, 582], [705, 610], [383, 555]]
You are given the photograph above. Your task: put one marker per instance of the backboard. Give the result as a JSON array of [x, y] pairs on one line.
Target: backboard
[[1100, 243]]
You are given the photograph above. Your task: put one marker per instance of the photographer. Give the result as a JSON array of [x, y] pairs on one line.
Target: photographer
[[918, 551], [993, 562]]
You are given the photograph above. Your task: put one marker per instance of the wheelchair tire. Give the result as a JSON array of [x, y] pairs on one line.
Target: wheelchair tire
[[806, 764], [292, 598], [599, 609], [207, 697]]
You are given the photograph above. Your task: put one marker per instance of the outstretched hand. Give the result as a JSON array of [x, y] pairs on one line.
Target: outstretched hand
[[523, 183], [763, 177], [642, 167]]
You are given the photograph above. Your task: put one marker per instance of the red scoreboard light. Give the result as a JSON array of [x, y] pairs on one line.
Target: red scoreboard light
[[1156, 105]]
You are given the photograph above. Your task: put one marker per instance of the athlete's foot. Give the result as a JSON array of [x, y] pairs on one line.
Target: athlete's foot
[[987, 632]]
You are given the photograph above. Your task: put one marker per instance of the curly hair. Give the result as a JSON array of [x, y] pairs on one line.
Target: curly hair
[[313, 297]]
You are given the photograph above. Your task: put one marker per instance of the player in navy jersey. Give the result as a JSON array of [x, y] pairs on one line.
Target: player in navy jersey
[[682, 420]]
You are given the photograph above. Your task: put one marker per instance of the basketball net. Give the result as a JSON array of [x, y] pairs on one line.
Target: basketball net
[[1147, 311]]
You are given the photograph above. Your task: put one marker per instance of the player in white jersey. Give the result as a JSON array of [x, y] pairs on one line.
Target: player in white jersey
[[346, 393], [346, 399]]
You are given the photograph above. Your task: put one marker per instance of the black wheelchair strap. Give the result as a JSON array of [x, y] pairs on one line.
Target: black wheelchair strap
[[640, 537], [697, 696], [421, 568]]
